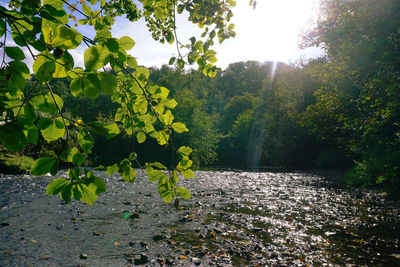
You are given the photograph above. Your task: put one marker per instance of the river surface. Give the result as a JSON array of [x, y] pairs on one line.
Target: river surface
[[233, 219]]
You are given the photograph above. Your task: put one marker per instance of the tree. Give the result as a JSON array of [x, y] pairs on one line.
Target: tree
[[47, 30], [357, 104]]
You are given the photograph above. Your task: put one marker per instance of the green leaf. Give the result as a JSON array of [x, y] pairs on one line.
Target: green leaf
[[44, 66], [162, 138], [185, 150], [187, 173], [31, 134], [126, 43], [14, 52], [46, 103], [51, 129], [85, 140], [64, 65], [181, 63], [179, 127], [2, 27], [100, 185], [45, 165], [112, 45], [56, 186], [67, 38], [89, 195], [141, 137], [67, 193], [92, 85], [108, 82], [128, 173], [161, 93], [184, 164], [87, 10], [95, 57], [20, 68], [132, 63], [106, 130], [170, 37], [171, 61], [112, 169], [381, 179], [73, 155], [158, 165], [168, 197], [180, 9], [76, 87], [183, 192], [154, 175], [12, 136], [167, 118]]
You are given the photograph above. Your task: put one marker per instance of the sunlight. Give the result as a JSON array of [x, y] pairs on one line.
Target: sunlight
[[272, 31]]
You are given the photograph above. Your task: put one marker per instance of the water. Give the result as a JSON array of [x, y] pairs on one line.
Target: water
[[237, 219]]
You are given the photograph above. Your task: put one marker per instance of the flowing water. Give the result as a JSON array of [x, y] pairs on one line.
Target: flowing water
[[239, 219]]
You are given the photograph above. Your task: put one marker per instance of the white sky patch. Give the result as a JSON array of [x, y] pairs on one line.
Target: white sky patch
[[271, 32]]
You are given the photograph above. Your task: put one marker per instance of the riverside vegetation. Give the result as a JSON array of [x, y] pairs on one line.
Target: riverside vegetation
[[340, 111]]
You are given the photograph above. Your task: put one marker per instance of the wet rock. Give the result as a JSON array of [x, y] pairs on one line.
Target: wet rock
[[196, 261], [158, 238], [97, 233], [4, 224], [83, 256], [142, 259], [134, 215], [143, 245]]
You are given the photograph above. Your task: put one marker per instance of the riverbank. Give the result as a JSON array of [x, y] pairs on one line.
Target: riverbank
[[14, 163]]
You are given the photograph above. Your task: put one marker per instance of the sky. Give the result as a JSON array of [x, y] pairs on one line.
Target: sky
[[270, 32]]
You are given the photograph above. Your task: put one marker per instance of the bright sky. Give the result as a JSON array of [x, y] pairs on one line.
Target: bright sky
[[271, 32]]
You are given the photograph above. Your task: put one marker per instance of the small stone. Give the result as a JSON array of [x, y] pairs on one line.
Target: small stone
[[158, 238], [4, 224], [117, 243], [97, 233], [83, 256], [196, 261], [142, 260]]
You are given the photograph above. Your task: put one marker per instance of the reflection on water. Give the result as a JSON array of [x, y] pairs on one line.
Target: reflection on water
[[232, 219]]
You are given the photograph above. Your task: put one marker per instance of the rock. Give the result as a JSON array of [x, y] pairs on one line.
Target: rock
[[134, 215], [83, 256], [142, 260], [196, 261], [143, 245], [97, 233], [4, 224], [158, 238]]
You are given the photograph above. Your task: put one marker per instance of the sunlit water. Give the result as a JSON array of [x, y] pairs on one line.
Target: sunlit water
[[240, 219]]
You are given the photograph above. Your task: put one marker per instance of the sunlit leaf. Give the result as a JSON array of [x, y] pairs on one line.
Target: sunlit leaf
[[95, 57], [45, 165]]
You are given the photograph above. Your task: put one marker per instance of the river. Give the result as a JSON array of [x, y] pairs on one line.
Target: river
[[233, 219]]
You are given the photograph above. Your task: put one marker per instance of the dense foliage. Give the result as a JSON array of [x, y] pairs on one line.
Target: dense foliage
[[33, 113]]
